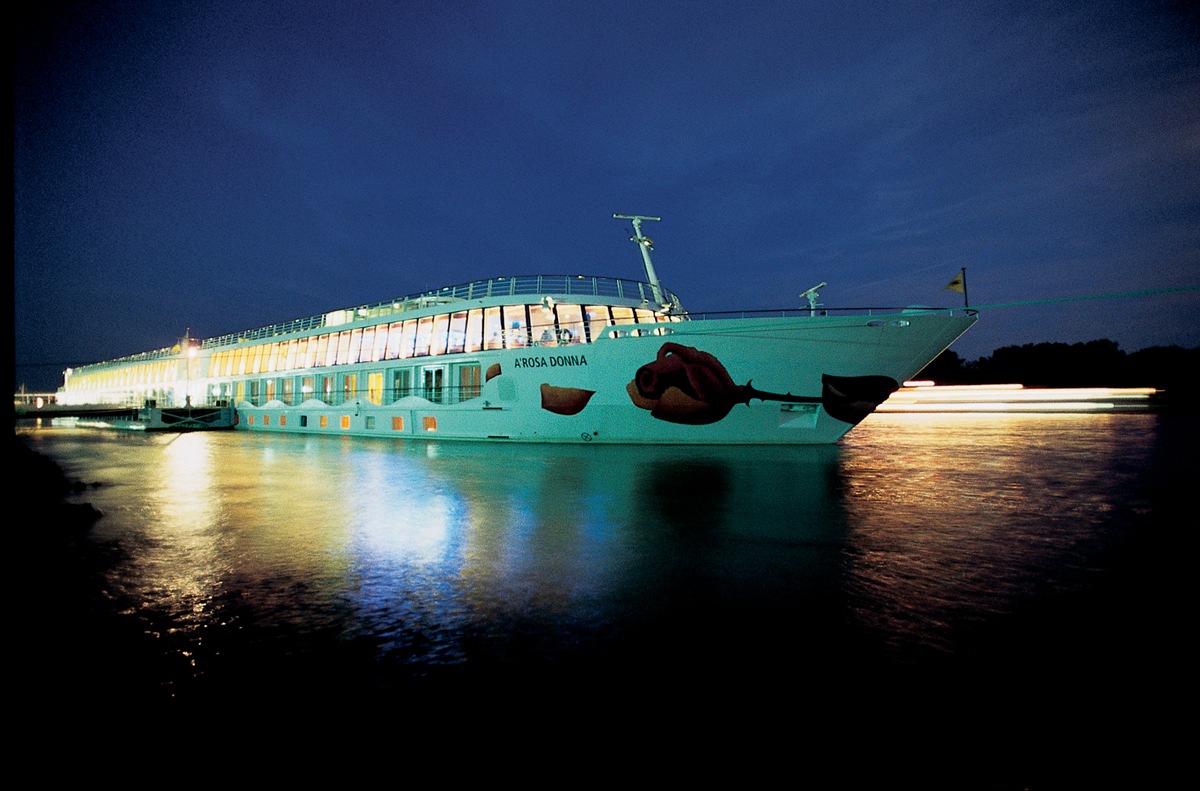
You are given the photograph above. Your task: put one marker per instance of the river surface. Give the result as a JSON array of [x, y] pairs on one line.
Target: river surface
[[1019, 578]]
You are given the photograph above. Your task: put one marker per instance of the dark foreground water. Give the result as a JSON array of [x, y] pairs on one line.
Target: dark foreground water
[[1007, 597]]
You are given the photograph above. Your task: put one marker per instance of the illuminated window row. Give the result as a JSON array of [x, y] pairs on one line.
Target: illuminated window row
[[504, 327], [128, 376], [428, 422], [440, 384]]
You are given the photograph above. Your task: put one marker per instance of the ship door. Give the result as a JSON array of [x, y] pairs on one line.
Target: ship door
[[433, 380]]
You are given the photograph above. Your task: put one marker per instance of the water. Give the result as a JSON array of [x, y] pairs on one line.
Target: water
[[1014, 578]]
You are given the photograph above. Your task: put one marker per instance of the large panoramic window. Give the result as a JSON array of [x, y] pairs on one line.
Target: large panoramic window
[[410, 339], [322, 351], [597, 319], [395, 332], [379, 349], [474, 340], [424, 334], [570, 324], [493, 329], [516, 326], [439, 337], [368, 344], [458, 332], [356, 339]]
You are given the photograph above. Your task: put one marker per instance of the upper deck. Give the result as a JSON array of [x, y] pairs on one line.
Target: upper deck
[[493, 291]]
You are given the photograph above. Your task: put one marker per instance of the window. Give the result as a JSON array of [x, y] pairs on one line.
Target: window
[[369, 421], [397, 424], [356, 345], [458, 332], [368, 344], [424, 335], [304, 421], [322, 356], [429, 423], [433, 381], [570, 324], [468, 382], [395, 333], [343, 347], [474, 339], [493, 329], [409, 340], [282, 420], [375, 387], [401, 383], [516, 324], [324, 421], [597, 319], [379, 350], [440, 336], [349, 386], [345, 421]]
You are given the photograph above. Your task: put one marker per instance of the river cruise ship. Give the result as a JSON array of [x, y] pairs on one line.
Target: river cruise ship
[[545, 358]]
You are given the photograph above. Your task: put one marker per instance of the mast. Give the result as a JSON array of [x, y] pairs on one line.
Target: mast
[[645, 245]]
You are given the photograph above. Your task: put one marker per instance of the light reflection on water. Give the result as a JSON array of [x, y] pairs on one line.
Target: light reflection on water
[[356, 566], [958, 519]]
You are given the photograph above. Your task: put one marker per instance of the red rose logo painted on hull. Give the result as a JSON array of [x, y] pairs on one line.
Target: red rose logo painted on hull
[[689, 386]]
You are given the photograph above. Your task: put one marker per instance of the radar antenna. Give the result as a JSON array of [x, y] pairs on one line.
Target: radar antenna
[[811, 295]]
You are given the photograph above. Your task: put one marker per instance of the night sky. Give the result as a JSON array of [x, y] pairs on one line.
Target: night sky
[[224, 165]]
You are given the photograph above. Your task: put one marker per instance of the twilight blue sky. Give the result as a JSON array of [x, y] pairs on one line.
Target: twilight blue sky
[[221, 165]]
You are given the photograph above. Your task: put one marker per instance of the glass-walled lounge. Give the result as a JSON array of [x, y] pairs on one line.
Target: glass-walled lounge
[[261, 372]]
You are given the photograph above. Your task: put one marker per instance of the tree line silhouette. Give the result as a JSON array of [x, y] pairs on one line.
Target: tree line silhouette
[[1098, 363]]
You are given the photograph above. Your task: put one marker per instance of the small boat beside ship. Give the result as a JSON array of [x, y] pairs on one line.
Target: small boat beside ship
[[541, 358], [152, 417]]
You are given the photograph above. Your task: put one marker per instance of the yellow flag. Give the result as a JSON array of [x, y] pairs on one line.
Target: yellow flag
[[957, 284]]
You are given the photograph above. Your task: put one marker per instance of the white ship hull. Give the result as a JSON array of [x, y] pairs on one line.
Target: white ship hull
[[588, 393]]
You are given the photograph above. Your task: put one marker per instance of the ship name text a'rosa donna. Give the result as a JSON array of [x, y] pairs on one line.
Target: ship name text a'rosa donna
[[545, 358]]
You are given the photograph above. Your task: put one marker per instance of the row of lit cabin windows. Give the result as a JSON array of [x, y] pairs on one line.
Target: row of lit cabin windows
[[502, 327], [428, 422], [432, 386], [157, 373]]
